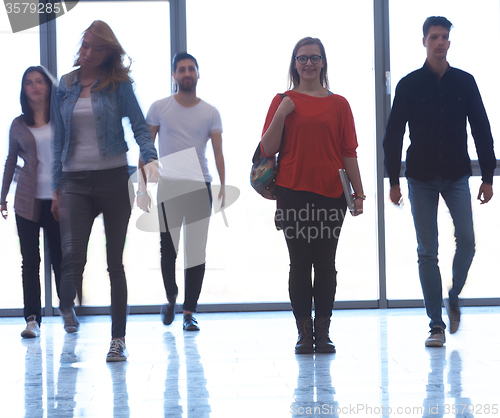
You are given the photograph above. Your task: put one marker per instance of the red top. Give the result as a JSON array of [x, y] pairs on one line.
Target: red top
[[319, 132]]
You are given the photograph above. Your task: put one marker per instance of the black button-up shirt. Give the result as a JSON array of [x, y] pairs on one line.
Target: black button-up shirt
[[437, 111]]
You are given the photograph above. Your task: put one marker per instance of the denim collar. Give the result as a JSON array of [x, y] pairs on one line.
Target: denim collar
[[75, 79]]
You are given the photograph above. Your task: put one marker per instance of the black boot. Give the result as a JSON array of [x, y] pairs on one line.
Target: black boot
[[321, 335], [305, 341]]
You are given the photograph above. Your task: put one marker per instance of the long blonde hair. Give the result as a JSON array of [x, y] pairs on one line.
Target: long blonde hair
[[113, 69]]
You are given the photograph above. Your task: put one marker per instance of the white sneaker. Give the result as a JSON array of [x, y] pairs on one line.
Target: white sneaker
[[437, 337], [32, 329], [117, 351]]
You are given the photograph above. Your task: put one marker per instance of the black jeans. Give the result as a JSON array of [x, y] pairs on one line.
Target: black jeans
[[311, 224], [29, 239], [84, 195], [185, 203]]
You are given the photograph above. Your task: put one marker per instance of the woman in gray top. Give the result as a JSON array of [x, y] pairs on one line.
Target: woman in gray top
[[30, 137], [90, 169]]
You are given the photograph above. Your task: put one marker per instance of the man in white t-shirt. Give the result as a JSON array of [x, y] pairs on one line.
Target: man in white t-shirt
[[184, 124]]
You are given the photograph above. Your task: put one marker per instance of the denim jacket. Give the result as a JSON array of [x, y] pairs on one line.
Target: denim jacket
[[109, 107]]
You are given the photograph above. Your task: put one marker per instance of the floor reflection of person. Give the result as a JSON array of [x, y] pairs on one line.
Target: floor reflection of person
[[67, 377], [171, 404], [314, 393], [441, 402], [90, 169], [29, 139], [33, 379], [198, 405], [121, 407], [434, 404], [197, 401], [465, 407]]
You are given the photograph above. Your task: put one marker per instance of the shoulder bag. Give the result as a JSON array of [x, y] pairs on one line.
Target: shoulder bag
[[264, 171]]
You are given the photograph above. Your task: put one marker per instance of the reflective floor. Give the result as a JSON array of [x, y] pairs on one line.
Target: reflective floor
[[243, 365]]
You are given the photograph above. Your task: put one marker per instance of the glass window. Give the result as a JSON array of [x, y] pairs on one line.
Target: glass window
[[468, 54], [482, 281], [244, 50], [25, 47], [242, 66]]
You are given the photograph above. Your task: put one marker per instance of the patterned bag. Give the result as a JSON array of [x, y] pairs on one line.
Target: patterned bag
[[264, 171], [263, 174]]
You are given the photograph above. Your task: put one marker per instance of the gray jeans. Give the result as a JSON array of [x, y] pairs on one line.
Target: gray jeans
[[85, 195]]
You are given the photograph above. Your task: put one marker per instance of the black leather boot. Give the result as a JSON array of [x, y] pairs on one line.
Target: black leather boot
[[306, 340], [321, 335]]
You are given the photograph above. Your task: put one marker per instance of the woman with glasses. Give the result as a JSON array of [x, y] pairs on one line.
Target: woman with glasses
[[313, 131], [90, 170], [29, 139]]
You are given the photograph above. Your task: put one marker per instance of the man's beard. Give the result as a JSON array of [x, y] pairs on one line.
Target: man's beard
[[187, 88]]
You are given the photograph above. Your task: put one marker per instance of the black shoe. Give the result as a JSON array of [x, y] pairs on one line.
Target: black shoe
[[190, 323], [305, 340], [321, 335], [168, 313]]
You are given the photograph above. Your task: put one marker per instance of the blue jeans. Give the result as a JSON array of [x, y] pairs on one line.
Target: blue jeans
[[424, 199]]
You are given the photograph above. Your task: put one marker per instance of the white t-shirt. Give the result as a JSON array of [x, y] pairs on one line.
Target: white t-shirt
[[85, 154], [183, 136], [43, 136]]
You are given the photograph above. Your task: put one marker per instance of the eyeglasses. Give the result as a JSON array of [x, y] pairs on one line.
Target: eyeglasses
[[302, 59]]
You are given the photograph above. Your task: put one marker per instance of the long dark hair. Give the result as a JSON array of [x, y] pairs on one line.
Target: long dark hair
[[28, 114]]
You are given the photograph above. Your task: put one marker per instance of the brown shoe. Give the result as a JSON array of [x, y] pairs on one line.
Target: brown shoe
[[71, 323], [453, 311]]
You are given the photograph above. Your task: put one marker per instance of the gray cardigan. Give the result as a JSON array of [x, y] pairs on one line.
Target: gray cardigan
[[22, 144]]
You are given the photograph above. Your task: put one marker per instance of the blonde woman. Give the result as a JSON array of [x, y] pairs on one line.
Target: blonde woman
[[319, 139], [90, 169]]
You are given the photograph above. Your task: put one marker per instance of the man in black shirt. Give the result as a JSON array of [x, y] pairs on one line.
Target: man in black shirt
[[436, 101]]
